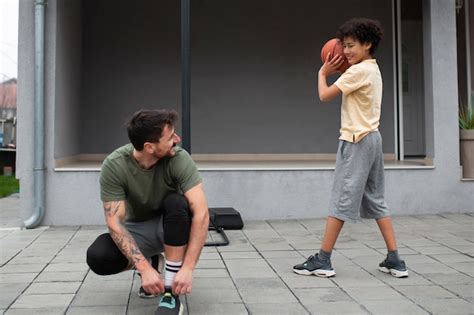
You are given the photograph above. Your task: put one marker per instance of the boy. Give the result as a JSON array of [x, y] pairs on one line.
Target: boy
[[359, 174]]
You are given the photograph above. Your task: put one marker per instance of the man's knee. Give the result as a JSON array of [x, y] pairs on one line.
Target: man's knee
[[176, 220], [104, 258]]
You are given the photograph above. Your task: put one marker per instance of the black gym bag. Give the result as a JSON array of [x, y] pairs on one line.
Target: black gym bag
[[221, 219]]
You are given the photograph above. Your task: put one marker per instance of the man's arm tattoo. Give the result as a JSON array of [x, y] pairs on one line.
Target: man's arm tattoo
[[111, 208], [121, 236], [127, 245]]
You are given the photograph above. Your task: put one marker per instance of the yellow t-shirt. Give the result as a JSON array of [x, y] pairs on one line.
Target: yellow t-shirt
[[361, 86]]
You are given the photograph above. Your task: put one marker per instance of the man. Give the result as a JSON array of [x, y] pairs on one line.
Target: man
[[153, 201]]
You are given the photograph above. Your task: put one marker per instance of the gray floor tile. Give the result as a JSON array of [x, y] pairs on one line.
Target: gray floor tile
[[97, 310], [343, 307], [393, 307], [88, 298], [422, 292], [277, 309], [264, 290], [316, 295], [36, 301], [447, 306], [52, 288], [217, 309]]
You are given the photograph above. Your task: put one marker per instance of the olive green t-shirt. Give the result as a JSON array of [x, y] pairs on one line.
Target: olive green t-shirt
[[143, 190]]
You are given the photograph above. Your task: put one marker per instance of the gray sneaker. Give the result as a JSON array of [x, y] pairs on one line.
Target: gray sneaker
[[314, 266], [397, 269]]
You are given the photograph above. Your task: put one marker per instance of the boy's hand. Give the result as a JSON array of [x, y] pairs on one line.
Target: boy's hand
[[331, 65]]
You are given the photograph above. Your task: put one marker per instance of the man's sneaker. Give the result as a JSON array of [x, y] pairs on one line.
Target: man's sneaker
[[397, 269], [169, 304], [157, 262], [314, 266]]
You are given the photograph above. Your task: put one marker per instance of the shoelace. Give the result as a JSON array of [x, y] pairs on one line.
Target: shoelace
[[309, 259]]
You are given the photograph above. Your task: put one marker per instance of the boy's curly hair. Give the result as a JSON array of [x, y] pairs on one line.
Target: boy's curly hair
[[364, 30]]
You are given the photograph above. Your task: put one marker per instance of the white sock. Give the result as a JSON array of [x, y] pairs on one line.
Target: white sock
[[171, 269]]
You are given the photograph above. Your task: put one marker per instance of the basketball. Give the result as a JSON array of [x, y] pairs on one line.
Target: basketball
[[334, 46]]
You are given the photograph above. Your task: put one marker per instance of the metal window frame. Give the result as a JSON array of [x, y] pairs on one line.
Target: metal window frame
[[397, 81]]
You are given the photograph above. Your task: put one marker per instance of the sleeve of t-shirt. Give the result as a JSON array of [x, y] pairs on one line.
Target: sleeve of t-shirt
[[184, 171], [351, 80], [111, 188]]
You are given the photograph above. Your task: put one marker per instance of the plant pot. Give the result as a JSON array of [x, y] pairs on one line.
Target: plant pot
[[466, 137]]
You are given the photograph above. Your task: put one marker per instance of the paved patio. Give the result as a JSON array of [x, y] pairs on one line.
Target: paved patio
[[43, 271]]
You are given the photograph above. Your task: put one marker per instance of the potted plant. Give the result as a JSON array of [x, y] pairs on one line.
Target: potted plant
[[466, 136]]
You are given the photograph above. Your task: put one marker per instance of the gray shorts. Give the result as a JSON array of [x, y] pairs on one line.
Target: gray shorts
[[359, 182], [148, 235]]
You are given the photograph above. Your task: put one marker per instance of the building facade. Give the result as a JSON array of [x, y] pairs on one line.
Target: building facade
[[263, 141]]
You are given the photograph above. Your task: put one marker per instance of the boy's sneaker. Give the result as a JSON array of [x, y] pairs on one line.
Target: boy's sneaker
[[169, 304], [314, 266], [157, 262], [397, 269]]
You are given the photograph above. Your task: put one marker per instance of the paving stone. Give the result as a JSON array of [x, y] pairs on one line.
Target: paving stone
[[434, 267], [465, 291], [424, 291], [295, 281], [52, 288], [276, 309], [342, 307], [264, 290], [282, 254], [126, 275], [447, 306], [373, 293], [106, 286], [465, 267], [22, 268], [249, 268], [355, 277], [142, 309], [216, 309], [61, 276], [216, 294], [210, 264], [38, 311], [211, 273], [24, 260], [7, 278], [440, 282], [88, 298], [432, 250], [35, 301], [99, 310], [314, 295], [450, 278], [241, 255], [205, 283], [393, 307], [67, 267], [413, 278]]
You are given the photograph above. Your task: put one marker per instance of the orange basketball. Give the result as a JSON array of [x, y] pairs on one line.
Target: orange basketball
[[334, 46]]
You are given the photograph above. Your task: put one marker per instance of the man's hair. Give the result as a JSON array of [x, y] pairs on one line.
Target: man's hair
[[364, 30], [147, 125]]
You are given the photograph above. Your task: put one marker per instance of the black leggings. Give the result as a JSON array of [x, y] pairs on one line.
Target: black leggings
[[104, 257]]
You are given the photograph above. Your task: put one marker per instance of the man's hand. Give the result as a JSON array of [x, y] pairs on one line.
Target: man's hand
[[183, 281], [151, 281]]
